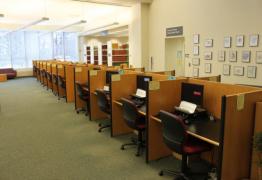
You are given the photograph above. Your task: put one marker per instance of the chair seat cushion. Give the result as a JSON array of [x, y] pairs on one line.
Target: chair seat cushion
[[195, 146]]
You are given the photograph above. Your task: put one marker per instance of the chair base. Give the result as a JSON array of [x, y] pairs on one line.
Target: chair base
[[103, 127], [135, 142], [82, 110], [177, 175]]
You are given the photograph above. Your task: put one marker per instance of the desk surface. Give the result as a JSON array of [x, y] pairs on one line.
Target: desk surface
[[142, 109], [205, 130]]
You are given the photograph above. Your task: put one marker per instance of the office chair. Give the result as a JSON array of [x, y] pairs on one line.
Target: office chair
[[176, 138], [61, 83], [49, 79], [55, 81], [83, 95], [43, 76], [105, 106], [135, 121]]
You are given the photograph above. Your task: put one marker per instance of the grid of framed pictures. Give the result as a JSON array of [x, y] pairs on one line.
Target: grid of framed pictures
[[240, 57]]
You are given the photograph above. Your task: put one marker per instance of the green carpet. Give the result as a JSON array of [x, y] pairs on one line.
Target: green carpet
[[43, 138]]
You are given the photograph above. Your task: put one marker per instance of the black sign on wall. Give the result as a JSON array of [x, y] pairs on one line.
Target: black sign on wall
[[174, 31]]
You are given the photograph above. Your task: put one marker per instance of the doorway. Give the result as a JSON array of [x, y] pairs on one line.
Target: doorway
[[174, 55]]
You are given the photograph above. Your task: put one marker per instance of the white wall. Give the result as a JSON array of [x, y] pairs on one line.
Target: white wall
[[211, 19]]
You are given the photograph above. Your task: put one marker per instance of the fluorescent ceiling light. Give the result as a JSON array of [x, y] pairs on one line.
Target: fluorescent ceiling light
[[32, 24], [119, 32], [70, 25], [97, 28]]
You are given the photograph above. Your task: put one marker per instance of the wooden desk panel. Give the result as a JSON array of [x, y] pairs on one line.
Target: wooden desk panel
[[3, 77]]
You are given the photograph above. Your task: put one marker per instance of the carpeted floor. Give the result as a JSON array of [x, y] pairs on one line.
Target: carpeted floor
[[42, 138]]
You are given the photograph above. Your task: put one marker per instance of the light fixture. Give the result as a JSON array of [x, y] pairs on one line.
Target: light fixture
[[70, 25], [28, 25], [119, 32], [32, 24], [97, 28]]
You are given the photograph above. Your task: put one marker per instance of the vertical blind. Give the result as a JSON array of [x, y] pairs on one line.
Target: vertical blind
[[18, 49]]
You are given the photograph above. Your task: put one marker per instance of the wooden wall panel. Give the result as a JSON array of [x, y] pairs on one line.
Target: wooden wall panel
[[238, 134], [128, 81], [258, 128], [70, 89], [96, 81], [213, 93], [164, 98]]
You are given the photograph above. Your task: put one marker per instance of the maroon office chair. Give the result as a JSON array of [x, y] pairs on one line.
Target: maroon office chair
[[177, 139], [135, 121]]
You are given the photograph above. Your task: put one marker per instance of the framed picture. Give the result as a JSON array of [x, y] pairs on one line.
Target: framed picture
[[246, 56], [196, 39], [227, 42], [251, 71], [253, 40], [196, 61], [207, 68], [208, 55], [195, 72], [239, 70], [221, 56], [226, 69], [232, 56], [240, 40], [209, 43], [196, 50], [259, 57]]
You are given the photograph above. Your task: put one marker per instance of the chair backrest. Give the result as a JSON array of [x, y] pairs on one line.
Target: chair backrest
[[174, 131], [61, 82], [54, 79], [103, 102], [130, 113], [79, 89]]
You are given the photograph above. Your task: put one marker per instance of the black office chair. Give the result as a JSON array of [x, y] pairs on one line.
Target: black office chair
[[135, 121], [55, 81], [61, 84], [43, 76], [176, 138], [105, 106], [49, 79], [83, 95]]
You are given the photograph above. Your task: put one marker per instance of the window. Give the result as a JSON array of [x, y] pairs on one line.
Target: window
[[18, 49]]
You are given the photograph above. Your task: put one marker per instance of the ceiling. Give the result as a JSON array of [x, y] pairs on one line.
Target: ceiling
[[63, 12], [127, 3]]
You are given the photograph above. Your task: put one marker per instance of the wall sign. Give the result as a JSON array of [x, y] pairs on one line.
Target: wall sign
[[174, 31]]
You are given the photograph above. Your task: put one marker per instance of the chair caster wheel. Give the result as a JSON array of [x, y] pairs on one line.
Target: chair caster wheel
[[161, 173], [77, 112], [122, 148], [100, 130], [99, 125], [137, 155]]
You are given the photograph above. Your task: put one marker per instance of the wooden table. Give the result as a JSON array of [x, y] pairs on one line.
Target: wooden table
[[3, 77]]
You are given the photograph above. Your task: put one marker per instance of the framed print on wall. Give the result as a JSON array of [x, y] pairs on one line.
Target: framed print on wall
[[221, 56], [195, 72], [209, 43], [239, 70], [196, 61], [196, 50], [227, 42], [226, 69], [207, 68], [232, 56], [259, 57], [253, 40], [246, 56], [196, 39], [240, 41], [251, 71], [208, 55]]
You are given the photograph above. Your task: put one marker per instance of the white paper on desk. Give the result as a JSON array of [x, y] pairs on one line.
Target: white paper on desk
[[141, 93], [187, 106], [106, 88]]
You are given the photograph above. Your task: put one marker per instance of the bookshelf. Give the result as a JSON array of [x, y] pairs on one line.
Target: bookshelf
[[104, 54], [88, 54], [120, 54]]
